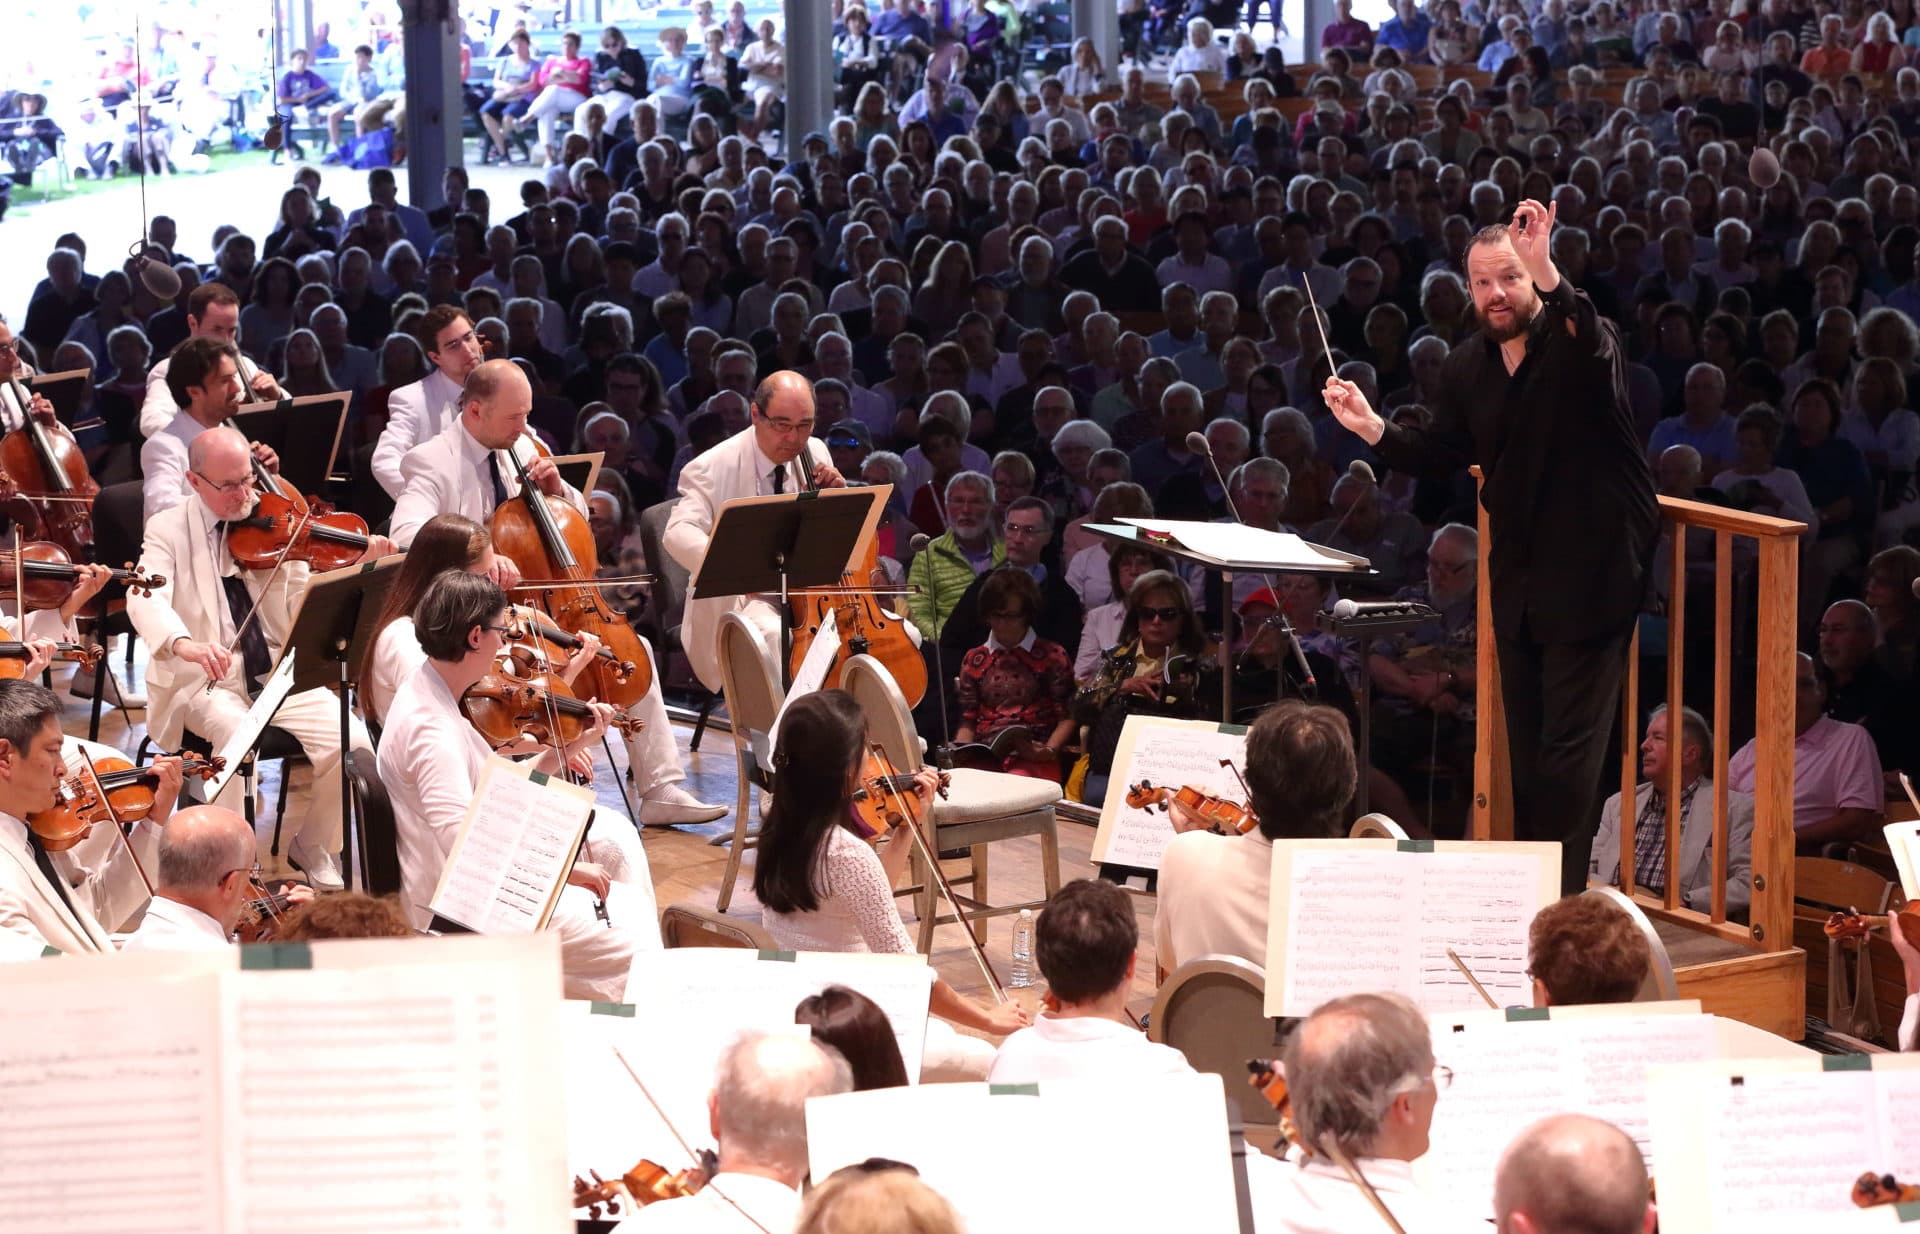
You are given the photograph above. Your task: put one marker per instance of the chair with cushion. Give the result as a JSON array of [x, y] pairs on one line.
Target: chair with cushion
[[981, 808], [752, 691], [689, 925], [1213, 1010], [1660, 986]]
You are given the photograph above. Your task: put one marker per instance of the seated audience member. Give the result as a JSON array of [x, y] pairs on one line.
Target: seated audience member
[[1838, 794], [876, 1197], [757, 1114], [203, 881], [1085, 942], [1425, 680], [1585, 949], [1101, 628], [1027, 528], [1213, 888], [1362, 1074], [823, 888], [853, 1024], [1860, 689], [1392, 540], [1163, 665], [942, 572], [1573, 1174], [1016, 678], [1696, 821]]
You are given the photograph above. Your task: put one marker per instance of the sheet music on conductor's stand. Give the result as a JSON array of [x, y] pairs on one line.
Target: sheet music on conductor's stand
[[1361, 916]]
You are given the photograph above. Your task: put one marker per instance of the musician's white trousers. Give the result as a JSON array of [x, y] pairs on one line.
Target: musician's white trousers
[[313, 718]]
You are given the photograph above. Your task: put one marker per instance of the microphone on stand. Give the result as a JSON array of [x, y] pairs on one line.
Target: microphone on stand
[[1359, 470], [919, 545], [1198, 444], [159, 278]]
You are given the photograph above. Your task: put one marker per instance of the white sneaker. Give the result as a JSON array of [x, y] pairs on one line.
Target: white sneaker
[[82, 687], [319, 867], [667, 805]]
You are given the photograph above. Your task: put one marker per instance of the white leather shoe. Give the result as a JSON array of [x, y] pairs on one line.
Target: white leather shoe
[[319, 867], [82, 687], [669, 804]]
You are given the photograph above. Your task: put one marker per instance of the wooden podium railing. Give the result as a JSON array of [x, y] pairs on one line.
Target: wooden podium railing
[[1769, 927]]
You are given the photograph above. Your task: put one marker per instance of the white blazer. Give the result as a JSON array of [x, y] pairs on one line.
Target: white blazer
[[415, 413], [192, 605], [447, 475], [163, 462], [32, 909], [730, 470]]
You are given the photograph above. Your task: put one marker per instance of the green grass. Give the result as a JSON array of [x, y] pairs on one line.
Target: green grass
[[46, 184]]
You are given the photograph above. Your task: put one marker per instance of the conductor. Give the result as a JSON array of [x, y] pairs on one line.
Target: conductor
[[1537, 397]]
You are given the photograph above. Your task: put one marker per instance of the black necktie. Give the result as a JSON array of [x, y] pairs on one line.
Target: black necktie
[[255, 659], [779, 479], [499, 485], [53, 876]]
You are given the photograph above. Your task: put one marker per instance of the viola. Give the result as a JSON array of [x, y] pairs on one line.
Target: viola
[[863, 626], [50, 577], [1872, 1190], [529, 630], [1223, 816], [1852, 926], [646, 1183], [50, 473], [505, 707], [128, 790], [285, 526], [553, 546]]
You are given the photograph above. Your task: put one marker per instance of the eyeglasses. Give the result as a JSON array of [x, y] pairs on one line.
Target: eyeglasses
[[1442, 1077], [1025, 529], [1448, 567], [502, 631], [1170, 613], [252, 872], [9, 348], [785, 427], [243, 484], [1014, 615]]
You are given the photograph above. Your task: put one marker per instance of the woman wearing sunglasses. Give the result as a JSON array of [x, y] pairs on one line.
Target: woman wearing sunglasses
[[1164, 665]]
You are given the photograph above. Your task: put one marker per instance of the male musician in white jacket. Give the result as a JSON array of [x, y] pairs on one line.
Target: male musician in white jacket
[[213, 311], [419, 412], [456, 473], [203, 378], [216, 622], [44, 902], [762, 460], [203, 877]]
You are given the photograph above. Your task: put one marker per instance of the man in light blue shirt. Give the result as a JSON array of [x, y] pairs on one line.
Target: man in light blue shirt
[[1406, 32]]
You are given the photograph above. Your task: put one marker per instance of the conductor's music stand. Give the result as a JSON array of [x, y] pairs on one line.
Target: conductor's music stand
[[304, 432], [337, 616], [773, 545]]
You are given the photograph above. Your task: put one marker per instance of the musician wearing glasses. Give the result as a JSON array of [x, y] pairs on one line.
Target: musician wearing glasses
[[12, 369], [776, 454], [215, 629], [419, 412], [203, 378], [207, 872]]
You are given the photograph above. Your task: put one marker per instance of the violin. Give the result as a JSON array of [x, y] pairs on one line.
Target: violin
[[646, 1183], [505, 707], [285, 526], [128, 790], [553, 546], [528, 627], [47, 572], [261, 912], [14, 656], [50, 474], [863, 626], [1266, 1075], [1848, 927], [1223, 817], [884, 799], [1872, 1190]]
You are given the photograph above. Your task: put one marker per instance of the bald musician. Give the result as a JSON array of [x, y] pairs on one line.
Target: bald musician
[[431, 760], [1571, 1174], [204, 877], [216, 622], [468, 470], [44, 900], [776, 454]]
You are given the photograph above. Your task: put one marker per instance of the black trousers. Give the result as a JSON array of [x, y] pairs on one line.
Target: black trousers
[[1562, 700]]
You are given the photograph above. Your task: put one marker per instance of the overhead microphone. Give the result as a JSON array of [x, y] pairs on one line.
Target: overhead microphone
[[1197, 444], [919, 543], [1346, 610], [157, 277]]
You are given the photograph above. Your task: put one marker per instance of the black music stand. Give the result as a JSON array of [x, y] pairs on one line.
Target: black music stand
[[304, 432], [773, 545], [63, 390], [338, 615], [1363, 628]]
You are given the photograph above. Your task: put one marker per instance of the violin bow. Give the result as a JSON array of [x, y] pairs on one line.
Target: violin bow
[[1471, 979], [1337, 1155], [106, 803], [932, 858], [280, 563], [682, 1141]]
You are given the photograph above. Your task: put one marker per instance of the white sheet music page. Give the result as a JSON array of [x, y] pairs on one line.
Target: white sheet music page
[[1276, 550], [1168, 754], [513, 851], [1420, 900], [110, 1103], [423, 1097]]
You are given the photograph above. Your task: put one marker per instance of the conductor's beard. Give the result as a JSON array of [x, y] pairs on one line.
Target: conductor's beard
[[1507, 320]]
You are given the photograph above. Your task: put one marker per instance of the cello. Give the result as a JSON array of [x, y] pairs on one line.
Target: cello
[[553, 546], [864, 627], [46, 466]]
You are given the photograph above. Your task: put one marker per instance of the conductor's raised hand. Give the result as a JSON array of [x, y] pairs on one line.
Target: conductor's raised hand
[[1349, 406], [1532, 235]]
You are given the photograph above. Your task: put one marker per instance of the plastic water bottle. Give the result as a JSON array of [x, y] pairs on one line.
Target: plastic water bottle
[[1022, 950]]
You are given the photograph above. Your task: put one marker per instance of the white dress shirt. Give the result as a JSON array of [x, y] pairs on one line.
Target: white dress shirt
[[163, 464], [1315, 1197], [768, 1204], [416, 413], [158, 407], [450, 474], [172, 926], [1213, 898], [1082, 1048]]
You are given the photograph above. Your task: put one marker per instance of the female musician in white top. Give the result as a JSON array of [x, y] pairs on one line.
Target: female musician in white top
[[825, 889]]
